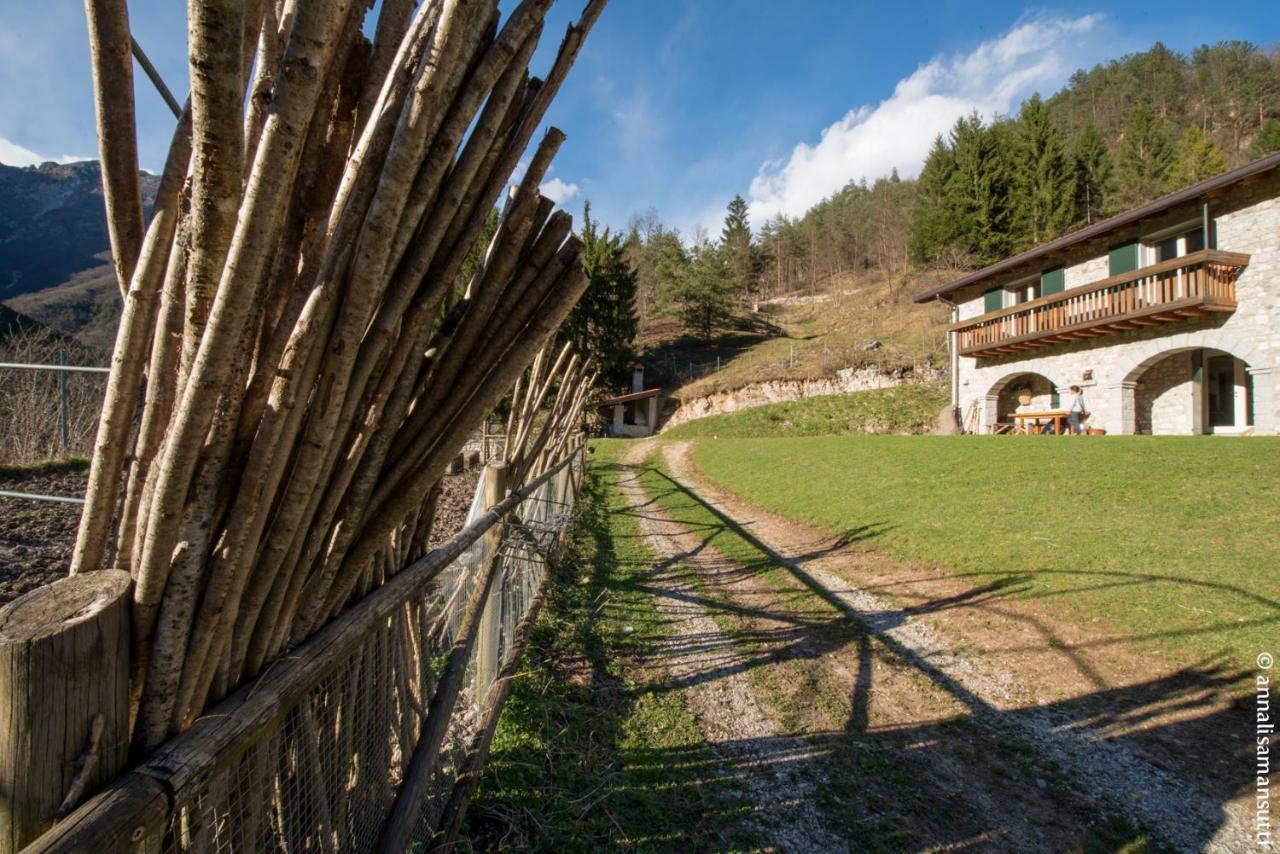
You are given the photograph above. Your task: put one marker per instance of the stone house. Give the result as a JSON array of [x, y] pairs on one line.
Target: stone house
[[633, 414], [1167, 316]]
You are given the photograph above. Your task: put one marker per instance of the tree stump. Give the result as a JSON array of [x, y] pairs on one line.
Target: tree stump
[[64, 699]]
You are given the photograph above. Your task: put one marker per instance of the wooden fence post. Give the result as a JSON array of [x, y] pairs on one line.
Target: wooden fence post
[[495, 489], [64, 699]]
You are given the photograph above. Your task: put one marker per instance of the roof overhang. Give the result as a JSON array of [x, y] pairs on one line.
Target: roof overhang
[[627, 398]]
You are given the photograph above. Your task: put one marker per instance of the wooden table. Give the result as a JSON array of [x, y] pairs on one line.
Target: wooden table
[[1057, 416]]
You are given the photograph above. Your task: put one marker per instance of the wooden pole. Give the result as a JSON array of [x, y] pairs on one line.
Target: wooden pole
[[64, 699], [495, 489], [138, 803]]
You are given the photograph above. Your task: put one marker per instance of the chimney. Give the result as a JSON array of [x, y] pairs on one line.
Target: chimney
[[637, 377]]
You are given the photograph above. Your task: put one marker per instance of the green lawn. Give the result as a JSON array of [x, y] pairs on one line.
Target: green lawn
[[593, 751], [905, 409], [1172, 542]]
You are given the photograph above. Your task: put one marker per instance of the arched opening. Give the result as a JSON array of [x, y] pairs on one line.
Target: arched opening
[[1193, 391], [1023, 391]]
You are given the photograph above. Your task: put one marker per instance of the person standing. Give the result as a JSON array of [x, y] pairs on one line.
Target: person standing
[[1075, 410]]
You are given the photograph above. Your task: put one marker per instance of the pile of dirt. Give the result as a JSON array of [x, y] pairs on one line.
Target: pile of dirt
[[36, 537], [453, 505]]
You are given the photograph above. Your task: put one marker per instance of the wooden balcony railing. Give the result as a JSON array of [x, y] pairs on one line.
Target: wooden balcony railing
[[1168, 292]]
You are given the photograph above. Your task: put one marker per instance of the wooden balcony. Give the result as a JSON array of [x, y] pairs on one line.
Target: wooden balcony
[[1169, 292]]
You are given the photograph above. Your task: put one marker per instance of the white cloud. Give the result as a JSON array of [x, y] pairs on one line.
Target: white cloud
[[869, 142], [558, 191], [12, 154]]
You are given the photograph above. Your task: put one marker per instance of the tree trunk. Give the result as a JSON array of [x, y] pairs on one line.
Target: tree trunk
[[110, 51]]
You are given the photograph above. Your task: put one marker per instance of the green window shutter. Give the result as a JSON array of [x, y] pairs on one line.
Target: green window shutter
[[1053, 281], [1055, 399], [1124, 259], [993, 300]]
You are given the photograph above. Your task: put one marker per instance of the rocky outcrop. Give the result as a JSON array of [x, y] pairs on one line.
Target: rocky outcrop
[[948, 422], [780, 391]]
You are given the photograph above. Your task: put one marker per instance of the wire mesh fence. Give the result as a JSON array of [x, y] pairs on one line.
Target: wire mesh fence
[[486, 444], [321, 767], [51, 393]]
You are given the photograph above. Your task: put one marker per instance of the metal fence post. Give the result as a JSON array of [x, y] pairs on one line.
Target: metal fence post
[[62, 400]]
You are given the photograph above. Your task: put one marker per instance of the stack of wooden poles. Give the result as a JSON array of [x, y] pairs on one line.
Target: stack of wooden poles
[[308, 357], [541, 428]]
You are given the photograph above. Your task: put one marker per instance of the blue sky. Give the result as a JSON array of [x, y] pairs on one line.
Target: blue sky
[[676, 105]]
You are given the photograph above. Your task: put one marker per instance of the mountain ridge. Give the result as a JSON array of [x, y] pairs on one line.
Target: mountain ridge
[[55, 249]]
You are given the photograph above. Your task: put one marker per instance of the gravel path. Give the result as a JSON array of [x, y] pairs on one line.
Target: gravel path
[[772, 771]]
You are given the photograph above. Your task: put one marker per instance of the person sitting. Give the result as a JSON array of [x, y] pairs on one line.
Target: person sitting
[[1075, 410]]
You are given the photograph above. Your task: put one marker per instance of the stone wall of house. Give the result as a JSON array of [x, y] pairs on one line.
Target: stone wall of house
[[1164, 397], [1128, 383], [1089, 270]]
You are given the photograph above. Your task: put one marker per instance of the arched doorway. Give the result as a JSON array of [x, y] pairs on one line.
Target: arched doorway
[[1185, 383], [1009, 392], [1194, 391]]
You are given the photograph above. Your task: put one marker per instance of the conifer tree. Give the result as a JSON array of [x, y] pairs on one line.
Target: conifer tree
[[1267, 140], [932, 227], [1146, 157], [1042, 193], [701, 287], [735, 239], [1094, 176], [602, 326], [1195, 158], [977, 191]]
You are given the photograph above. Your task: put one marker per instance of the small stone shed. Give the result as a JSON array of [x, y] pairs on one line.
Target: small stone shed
[[634, 415]]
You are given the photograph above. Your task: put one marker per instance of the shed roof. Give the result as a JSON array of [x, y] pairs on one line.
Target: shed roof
[[627, 398]]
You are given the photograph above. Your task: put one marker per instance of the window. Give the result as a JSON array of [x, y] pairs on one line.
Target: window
[[1177, 245], [1053, 281], [1193, 240], [1176, 241], [1016, 293]]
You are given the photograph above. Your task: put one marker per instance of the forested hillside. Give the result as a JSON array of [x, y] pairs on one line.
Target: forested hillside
[[1117, 135]]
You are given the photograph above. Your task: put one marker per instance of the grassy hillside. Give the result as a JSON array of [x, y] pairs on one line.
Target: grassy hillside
[[905, 409], [16, 323], [1099, 529], [86, 306], [850, 321]]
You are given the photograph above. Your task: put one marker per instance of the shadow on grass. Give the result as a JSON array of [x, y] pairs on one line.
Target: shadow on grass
[[594, 753], [591, 753], [1181, 739]]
